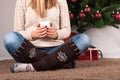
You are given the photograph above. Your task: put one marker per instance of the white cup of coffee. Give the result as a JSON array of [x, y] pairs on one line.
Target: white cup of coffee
[[45, 23]]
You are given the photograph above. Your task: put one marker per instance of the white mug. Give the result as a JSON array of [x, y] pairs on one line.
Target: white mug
[[45, 23]]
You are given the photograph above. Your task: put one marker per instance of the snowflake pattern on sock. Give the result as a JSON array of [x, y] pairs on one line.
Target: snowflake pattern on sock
[[62, 56], [32, 53]]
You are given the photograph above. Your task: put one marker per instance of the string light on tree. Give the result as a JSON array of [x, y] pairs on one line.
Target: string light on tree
[[113, 13]]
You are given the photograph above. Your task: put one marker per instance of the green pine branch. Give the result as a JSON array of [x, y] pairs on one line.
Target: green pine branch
[[106, 8]]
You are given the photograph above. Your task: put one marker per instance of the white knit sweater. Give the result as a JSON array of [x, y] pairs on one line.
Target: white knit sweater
[[25, 21]]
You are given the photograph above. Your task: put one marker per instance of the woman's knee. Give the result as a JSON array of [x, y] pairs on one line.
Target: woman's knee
[[81, 37], [12, 41], [12, 37], [82, 41], [84, 38]]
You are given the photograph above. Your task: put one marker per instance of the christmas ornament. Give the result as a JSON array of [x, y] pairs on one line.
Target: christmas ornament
[[87, 9], [117, 16], [82, 14], [98, 15], [71, 15], [73, 1], [90, 16]]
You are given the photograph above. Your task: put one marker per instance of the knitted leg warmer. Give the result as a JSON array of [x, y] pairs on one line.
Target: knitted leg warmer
[[28, 53], [66, 53]]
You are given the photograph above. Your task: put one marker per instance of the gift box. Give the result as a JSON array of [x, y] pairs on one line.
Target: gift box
[[90, 54]]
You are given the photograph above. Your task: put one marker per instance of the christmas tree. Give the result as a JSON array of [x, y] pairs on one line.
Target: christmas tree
[[85, 14]]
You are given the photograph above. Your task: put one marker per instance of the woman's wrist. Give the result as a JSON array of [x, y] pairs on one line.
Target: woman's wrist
[[33, 35], [56, 36]]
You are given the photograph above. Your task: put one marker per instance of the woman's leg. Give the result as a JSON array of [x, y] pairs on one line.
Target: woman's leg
[[49, 51], [21, 49], [12, 42], [66, 53], [82, 42]]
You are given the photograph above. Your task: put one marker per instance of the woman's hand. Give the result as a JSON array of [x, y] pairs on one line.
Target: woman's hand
[[40, 32], [52, 33]]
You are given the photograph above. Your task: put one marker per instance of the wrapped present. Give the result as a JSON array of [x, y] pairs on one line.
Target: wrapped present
[[91, 54]]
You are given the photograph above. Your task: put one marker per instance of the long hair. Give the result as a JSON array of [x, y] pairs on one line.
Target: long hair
[[41, 6]]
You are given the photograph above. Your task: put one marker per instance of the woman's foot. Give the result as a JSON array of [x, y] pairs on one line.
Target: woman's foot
[[21, 67]]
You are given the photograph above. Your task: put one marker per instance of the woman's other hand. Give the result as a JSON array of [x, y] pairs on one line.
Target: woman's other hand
[[51, 32], [40, 32]]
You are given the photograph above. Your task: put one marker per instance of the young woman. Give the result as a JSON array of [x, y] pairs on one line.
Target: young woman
[[37, 47]]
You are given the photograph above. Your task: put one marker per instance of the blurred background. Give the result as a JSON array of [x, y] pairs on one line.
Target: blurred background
[[6, 23]]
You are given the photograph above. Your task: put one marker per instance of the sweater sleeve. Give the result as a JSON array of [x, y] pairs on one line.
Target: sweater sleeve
[[19, 19], [65, 30]]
